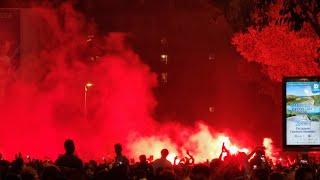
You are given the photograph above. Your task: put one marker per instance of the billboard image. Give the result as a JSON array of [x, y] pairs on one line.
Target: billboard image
[[302, 112]]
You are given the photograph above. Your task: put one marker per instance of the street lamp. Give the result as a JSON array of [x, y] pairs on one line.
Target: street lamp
[[86, 88]]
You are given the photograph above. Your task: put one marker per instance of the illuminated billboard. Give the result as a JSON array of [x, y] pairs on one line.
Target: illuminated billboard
[[301, 113]]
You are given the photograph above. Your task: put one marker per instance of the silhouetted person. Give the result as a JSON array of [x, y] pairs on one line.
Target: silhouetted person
[[27, 176], [224, 152], [162, 164], [199, 172], [120, 159], [51, 173], [120, 169], [276, 176], [260, 174], [4, 167], [304, 173], [258, 159], [144, 169], [69, 160], [17, 165]]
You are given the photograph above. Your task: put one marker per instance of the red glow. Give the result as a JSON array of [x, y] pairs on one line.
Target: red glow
[[269, 149], [89, 84], [42, 104], [202, 144]]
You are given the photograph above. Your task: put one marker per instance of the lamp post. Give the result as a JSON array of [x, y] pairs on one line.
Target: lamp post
[[86, 88]]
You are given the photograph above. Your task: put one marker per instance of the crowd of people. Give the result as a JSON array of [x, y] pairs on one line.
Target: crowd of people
[[240, 166]]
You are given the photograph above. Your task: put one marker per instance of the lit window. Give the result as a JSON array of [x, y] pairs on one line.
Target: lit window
[[164, 58], [211, 109], [164, 77], [212, 57]]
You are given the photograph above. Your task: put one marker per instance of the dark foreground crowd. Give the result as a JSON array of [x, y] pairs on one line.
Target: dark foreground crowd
[[241, 166]]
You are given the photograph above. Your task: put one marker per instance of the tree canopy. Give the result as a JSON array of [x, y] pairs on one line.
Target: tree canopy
[[281, 47]]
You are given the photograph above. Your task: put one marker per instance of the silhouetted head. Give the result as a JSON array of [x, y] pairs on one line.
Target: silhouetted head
[[27, 176], [164, 153], [304, 173], [260, 174], [118, 149], [143, 158], [276, 176], [69, 146], [17, 165], [51, 172], [12, 176]]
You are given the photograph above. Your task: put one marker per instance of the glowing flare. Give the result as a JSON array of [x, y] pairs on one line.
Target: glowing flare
[[152, 146], [267, 143], [202, 144]]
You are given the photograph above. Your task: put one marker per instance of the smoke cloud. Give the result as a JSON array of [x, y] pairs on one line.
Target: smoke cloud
[[43, 101]]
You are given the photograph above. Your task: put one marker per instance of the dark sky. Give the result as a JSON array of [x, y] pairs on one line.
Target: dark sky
[[237, 90]]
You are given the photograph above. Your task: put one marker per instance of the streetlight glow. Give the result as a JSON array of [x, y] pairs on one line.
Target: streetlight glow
[[164, 56], [89, 84], [86, 88]]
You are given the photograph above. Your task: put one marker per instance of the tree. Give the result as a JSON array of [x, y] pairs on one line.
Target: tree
[[280, 51], [244, 13], [299, 12]]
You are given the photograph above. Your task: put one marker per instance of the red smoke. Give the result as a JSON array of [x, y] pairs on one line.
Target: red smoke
[[43, 100], [203, 143]]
